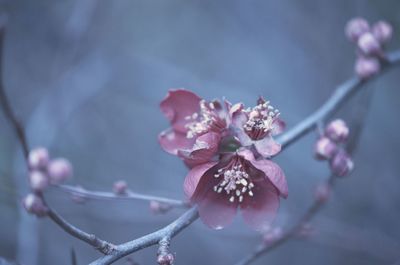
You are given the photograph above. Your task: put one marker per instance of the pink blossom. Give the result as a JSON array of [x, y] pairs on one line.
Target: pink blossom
[[341, 164], [367, 67], [337, 131], [355, 28], [237, 180], [257, 126], [38, 181], [196, 126], [382, 31], [324, 148], [38, 158], [120, 187], [34, 204], [369, 45], [59, 170]]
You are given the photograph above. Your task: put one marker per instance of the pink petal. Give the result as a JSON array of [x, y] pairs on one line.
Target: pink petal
[[179, 104], [172, 141], [193, 178], [203, 150], [279, 126], [274, 173], [238, 117], [267, 147], [260, 210], [216, 211]]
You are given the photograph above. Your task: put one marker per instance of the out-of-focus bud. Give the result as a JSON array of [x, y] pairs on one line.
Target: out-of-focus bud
[[367, 67], [166, 259], [59, 170], [306, 231], [272, 235], [120, 187], [324, 148], [79, 198], [382, 31], [369, 45], [355, 28], [34, 205], [38, 180], [341, 164], [337, 131], [38, 158], [159, 208], [322, 192]]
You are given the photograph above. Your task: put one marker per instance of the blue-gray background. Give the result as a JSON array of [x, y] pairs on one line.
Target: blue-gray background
[[86, 77]]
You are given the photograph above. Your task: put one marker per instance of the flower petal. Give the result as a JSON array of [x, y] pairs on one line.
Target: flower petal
[[203, 150], [172, 141], [179, 104], [260, 210], [216, 211], [267, 147], [273, 173], [193, 178], [278, 126]]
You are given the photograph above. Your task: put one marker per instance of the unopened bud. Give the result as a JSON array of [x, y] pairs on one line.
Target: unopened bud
[[382, 31], [38, 181], [369, 45], [322, 192], [165, 259], [120, 187], [355, 28], [34, 205], [159, 207], [341, 164], [38, 158], [59, 170], [337, 131], [367, 67], [324, 148], [272, 235]]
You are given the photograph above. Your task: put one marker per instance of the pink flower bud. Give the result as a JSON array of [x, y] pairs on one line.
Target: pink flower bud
[[369, 45], [38, 158], [306, 231], [367, 67], [272, 235], [34, 205], [341, 164], [59, 170], [355, 28], [38, 181], [165, 259], [158, 207], [382, 31], [337, 131], [324, 148], [120, 187], [322, 192]]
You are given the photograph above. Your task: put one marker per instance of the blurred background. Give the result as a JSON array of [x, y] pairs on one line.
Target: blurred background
[[86, 77]]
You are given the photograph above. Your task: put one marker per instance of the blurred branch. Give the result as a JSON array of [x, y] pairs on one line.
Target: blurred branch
[[128, 195]]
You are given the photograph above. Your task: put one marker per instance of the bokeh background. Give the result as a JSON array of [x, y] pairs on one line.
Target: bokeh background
[[86, 78]]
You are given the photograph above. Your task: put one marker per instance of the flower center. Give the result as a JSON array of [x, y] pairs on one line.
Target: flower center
[[235, 182], [261, 120], [207, 119]]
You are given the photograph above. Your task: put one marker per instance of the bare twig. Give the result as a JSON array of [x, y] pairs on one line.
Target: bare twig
[[129, 195]]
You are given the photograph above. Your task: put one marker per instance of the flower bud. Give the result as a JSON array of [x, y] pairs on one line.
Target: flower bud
[[306, 231], [38, 158], [369, 45], [34, 205], [38, 181], [341, 164], [272, 235], [355, 28], [120, 187], [367, 67], [159, 208], [382, 31], [322, 192], [165, 259], [59, 170], [337, 131], [324, 148]]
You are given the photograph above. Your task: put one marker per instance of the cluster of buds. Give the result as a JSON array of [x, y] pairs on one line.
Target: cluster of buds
[[329, 147], [43, 172], [370, 42]]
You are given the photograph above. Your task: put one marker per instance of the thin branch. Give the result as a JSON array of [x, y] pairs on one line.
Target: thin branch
[[343, 93], [154, 238], [129, 195]]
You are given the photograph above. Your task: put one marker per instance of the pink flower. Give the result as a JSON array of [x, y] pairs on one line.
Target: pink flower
[[196, 126], [257, 126], [237, 180]]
